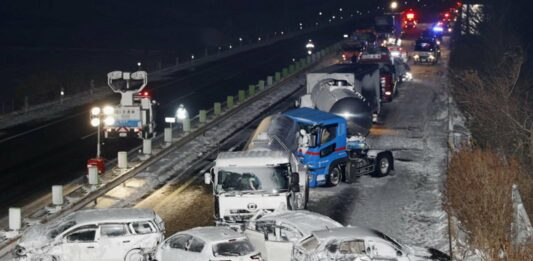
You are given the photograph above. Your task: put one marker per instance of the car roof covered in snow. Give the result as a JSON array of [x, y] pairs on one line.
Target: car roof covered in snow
[[213, 234], [251, 158], [353, 233], [111, 215], [305, 221]]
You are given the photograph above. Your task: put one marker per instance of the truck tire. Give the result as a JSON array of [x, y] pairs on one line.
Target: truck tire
[[334, 176], [383, 165], [135, 255]]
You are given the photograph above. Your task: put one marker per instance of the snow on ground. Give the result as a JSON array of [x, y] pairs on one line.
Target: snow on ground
[[408, 204]]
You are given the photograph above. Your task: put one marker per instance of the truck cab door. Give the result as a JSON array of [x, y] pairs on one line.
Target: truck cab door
[[328, 135]]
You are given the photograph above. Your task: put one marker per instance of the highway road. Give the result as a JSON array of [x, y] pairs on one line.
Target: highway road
[[36, 155], [406, 205]]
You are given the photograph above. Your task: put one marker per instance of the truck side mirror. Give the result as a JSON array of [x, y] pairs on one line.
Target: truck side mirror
[[313, 140], [295, 182], [207, 178]]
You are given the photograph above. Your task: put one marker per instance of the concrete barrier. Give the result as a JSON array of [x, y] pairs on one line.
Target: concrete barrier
[[167, 135], [202, 117], [285, 72], [242, 96], [122, 159], [15, 219], [270, 81], [251, 90], [261, 85], [92, 175], [57, 195], [277, 77], [229, 102], [147, 146], [217, 108], [187, 125]]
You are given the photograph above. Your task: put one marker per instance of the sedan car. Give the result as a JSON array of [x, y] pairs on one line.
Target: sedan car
[[274, 234], [426, 51], [357, 243], [207, 243]]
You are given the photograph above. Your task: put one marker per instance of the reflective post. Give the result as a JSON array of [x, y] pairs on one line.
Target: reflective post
[[202, 116], [229, 102], [242, 95], [217, 108]]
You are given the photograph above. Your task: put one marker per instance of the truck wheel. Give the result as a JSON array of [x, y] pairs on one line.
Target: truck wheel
[[334, 176], [134, 255], [383, 165]]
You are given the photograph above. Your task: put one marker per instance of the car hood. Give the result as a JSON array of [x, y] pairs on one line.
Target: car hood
[[35, 237]]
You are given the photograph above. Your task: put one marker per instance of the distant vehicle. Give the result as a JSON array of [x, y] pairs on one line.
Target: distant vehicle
[[409, 19], [351, 51], [94, 234], [438, 30], [207, 243], [426, 52], [430, 35], [397, 52], [387, 29], [357, 243], [275, 234], [310, 46], [364, 36]]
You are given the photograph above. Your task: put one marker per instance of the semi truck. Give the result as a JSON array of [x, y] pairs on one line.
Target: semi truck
[[332, 154], [349, 90], [265, 176]]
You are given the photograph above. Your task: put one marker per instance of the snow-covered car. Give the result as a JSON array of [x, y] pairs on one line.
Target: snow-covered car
[[357, 243], [274, 234], [207, 243], [94, 234]]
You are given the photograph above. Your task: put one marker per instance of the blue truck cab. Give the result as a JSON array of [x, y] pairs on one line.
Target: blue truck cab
[[326, 152]]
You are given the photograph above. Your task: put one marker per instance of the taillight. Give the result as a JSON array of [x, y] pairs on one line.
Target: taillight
[[383, 81]]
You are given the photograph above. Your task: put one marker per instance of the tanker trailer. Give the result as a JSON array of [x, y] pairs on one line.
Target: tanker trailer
[[351, 91]]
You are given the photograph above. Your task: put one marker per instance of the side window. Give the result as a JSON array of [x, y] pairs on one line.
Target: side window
[[289, 234], [113, 230], [179, 242], [352, 247], [82, 235], [142, 227], [196, 245], [328, 133]]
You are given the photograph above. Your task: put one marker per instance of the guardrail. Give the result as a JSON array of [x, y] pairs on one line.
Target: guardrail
[[79, 195]]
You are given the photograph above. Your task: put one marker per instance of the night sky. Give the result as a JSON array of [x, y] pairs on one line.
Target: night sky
[[154, 24]]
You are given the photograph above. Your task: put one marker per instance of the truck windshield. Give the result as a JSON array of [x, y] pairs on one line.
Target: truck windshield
[[253, 179], [424, 47]]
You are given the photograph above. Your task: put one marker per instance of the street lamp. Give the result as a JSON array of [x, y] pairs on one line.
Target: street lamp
[[393, 5], [98, 116]]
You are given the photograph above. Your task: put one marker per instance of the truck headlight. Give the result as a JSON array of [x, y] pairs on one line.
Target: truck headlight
[[416, 56]]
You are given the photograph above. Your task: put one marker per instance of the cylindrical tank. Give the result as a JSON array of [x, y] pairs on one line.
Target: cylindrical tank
[[278, 125], [336, 97]]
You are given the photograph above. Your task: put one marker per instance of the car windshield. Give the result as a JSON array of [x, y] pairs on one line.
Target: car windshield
[[387, 238], [310, 243], [57, 228], [233, 248], [424, 47], [253, 179]]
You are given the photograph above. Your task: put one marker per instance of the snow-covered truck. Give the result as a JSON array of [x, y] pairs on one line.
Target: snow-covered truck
[[265, 176]]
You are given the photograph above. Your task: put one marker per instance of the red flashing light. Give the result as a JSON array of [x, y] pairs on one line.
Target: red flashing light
[[459, 4], [447, 15], [410, 16], [144, 94]]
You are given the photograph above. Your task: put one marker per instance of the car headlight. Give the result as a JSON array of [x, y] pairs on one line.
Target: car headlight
[[431, 57], [416, 56]]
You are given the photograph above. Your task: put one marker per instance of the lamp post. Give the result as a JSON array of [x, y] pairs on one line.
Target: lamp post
[[98, 116], [393, 5]]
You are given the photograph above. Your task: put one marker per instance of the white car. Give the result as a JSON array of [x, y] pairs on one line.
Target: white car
[[275, 233], [357, 243], [94, 234], [207, 243]]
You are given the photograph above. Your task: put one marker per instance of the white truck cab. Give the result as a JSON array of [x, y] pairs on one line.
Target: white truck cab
[[246, 182]]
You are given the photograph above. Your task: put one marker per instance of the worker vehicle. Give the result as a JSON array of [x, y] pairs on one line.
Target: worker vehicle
[[336, 150], [274, 234], [430, 35], [266, 175], [426, 52], [94, 234], [358, 243], [207, 243], [409, 19], [135, 115], [345, 89]]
